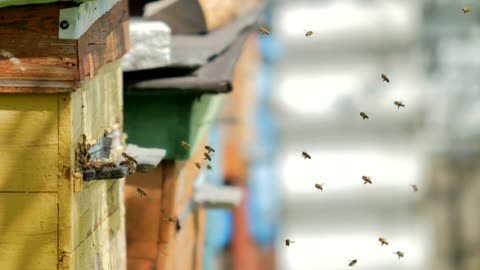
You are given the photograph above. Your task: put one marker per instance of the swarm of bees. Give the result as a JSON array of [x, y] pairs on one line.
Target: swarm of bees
[[141, 192], [466, 10], [206, 156]]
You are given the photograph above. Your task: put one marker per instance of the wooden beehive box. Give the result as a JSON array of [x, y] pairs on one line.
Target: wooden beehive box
[[57, 83]]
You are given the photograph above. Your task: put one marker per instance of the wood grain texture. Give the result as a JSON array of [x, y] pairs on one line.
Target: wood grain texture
[[32, 51], [106, 40], [28, 229], [28, 143]]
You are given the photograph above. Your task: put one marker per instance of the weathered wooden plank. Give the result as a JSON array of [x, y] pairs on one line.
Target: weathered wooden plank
[[93, 206], [106, 40], [143, 219], [65, 171], [31, 49], [28, 143], [185, 241], [200, 240], [28, 227], [104, 248]]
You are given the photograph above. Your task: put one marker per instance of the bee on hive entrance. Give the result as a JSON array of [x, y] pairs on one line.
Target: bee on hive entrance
[[399, 104], [352, 262], [364, 115], [385, 78], [141, 192], [185, 145], [399, 254], [466, 10], [415, 188], [264, 30], [207, 156], [288, 242], [305, 155], [209, 167], [209, 148], [367, 179], [172, 219], [383, 241], [308, 33], [130, 158], [319, 186], [198, 165]]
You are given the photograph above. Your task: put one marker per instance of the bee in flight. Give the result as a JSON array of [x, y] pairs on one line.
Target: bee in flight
[[209, 148], [319, 186], [185, 145], [367, 179], [141, 192], [305, 155], [385, 78], [209, 167], [364, 115], [352, 262], [415, 188], [207, 156], [399, 254], [383, 241], [466, 10], [399, 104], [264, 30], [288, 242], [308, 33], [198, 165]]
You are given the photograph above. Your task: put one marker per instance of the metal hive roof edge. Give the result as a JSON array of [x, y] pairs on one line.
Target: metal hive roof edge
[[7, 3]]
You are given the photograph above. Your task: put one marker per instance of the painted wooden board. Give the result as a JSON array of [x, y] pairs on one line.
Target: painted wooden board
[[33, 53], [106, 40], [28, 139], [28, 227], [105, 248]]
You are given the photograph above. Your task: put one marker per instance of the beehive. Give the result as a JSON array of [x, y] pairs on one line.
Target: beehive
[[57, 83]]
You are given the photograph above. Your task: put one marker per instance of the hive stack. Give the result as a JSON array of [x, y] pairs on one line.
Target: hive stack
[[60, 77]]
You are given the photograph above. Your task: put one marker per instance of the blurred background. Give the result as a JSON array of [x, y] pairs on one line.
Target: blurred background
[[321, 84]]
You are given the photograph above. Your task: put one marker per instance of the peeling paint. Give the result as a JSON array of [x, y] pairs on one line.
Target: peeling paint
[[12, 58]]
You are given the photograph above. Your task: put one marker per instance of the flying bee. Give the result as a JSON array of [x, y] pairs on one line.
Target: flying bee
[[130, 158], [367, 179], [198, 165], [352, 262], [141, 192], [308, 33], [185, 145], [399, 254], [207, 156], [399, 104], [288, 242], [305, 155], [209, 167], [364, 115], [383, 241], [415, 188], [466, 10], [172, 219], [385, 78], [319, 186], [209, 148], [264, 30]]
